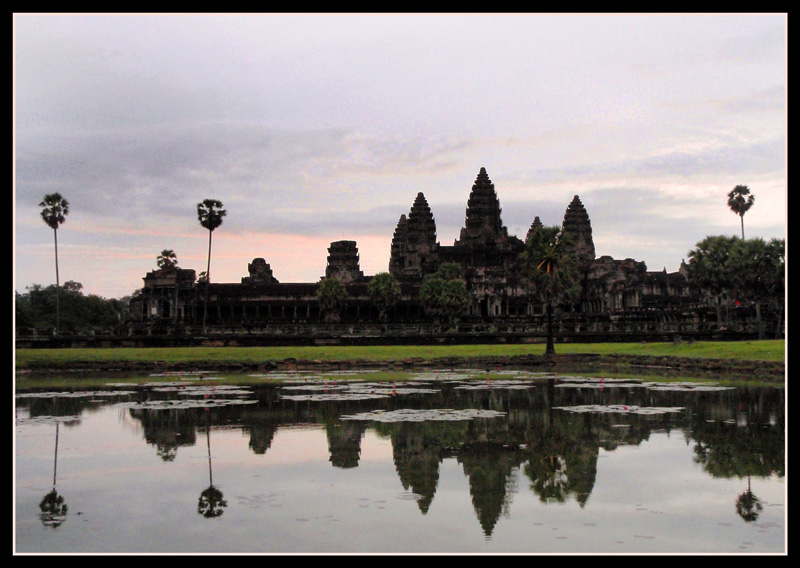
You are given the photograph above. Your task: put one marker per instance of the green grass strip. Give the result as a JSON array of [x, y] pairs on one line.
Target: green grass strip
[[767, 350]]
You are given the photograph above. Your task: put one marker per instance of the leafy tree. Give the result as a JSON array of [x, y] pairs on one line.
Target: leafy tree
[[210, 214], [54, 212], [384, 291], [753, 270], [550, 266], [331, 296], [758, 274], [444, 294], [34, 310], [740, 200], [167, 259], [709, 268]]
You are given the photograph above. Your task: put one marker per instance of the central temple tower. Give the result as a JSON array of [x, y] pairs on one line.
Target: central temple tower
[[483, 224]]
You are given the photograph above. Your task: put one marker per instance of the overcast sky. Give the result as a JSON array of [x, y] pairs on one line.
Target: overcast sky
[[317, 128]]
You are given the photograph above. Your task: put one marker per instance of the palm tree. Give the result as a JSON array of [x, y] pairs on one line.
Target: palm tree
[[53, 508], [54, 212], [212, 501], [167, 259], [550, 266], [748, 506], [210, 214], [740, 201]]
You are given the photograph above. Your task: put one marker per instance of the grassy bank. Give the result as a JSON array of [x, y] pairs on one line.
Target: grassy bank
[[34, 359]]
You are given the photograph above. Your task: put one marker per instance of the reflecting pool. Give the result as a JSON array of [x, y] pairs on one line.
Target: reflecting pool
[[450, 461]]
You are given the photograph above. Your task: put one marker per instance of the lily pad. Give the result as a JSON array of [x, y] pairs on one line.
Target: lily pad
[[414, 415], [335, 397], [620, 409], [686, 387], [78, 394], [496, 384], [47, 419], [186, 403]]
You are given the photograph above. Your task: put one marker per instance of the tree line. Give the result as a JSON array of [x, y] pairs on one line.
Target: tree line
[[730, 271], [35, 310]]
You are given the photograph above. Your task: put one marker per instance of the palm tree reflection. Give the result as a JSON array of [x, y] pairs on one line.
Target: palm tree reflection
[[211, 503], [748, 506], [53, 508]]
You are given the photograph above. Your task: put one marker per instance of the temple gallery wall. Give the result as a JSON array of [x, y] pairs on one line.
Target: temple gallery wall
[[619, 299]]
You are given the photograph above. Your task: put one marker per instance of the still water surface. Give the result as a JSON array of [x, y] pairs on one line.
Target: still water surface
[[449, 462]]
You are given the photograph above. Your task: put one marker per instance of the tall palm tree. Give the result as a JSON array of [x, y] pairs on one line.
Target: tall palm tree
[[54, 212], [212, 501], [740, 200], [53, 508], [210, 214], [550, 266]]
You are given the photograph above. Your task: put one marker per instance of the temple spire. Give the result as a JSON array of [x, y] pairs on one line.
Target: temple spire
[[414, 248], [483, 223], [537, 224], [576, 222]]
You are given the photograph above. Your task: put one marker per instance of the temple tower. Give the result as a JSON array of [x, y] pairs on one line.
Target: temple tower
[[260, 273], [414, 248], [397, 256], [576, 222], [343, 262], [483, 224], [537, 224]]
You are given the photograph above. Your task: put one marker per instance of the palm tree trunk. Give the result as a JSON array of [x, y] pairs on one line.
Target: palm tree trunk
[[208, 281], [55, 458], [550, 348], [55, 238], [742, 218], [758, 321]]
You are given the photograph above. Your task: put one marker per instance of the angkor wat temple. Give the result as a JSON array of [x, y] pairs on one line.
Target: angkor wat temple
[[620, 299]]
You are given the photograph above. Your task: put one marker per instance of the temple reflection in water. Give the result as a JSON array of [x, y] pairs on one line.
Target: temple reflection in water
[[546, 434]]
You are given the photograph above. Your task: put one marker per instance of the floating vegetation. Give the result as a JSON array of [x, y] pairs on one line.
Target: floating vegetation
[[335, 397], [47, 419], [350, 373], [595, 382], [316, 386], [359, 391], [186, 403], [71, 394], [302, 376], [201, 390], [620, 409], [413, 415], [287, 375], [572, 379], [496, 384], [686, 387], [187, 374], [442, 376]]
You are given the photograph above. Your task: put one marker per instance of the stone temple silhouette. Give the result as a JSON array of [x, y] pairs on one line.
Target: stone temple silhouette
[[618, 297]]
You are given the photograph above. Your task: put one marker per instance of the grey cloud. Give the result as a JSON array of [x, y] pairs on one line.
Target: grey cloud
[[164, 169], [765, 100], [758, 157], [768, 45]]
